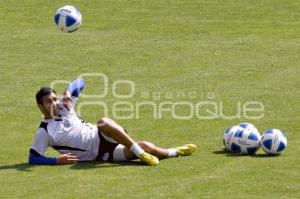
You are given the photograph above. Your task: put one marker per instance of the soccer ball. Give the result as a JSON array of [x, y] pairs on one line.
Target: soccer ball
[[249, 126], [245, 141], [273, 141], [67, 19], [227, 138]]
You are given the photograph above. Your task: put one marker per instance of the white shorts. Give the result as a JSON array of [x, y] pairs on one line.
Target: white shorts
[[118, 154], [110, 150]]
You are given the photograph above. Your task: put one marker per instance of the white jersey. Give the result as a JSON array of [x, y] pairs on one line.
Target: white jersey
[[68, 134]]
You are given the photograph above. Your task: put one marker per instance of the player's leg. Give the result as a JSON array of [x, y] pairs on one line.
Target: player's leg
[[162, 153], [149, 147], [122, 153], [111, 129]]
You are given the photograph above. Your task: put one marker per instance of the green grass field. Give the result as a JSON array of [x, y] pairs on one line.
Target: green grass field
[[246, 50]]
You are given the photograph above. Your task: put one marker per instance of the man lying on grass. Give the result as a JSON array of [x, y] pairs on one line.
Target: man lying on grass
[[77, 140]]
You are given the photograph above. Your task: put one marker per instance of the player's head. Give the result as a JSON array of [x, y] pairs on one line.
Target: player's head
[[47, 102]]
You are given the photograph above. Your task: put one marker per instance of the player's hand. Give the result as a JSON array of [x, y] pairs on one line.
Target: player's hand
[[67, 100], [67, 158]]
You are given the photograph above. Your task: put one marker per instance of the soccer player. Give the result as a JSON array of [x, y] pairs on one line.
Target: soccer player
[[77, 140]]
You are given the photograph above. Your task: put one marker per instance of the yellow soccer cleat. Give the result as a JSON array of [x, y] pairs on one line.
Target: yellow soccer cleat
[[149, 159], [186, 149]]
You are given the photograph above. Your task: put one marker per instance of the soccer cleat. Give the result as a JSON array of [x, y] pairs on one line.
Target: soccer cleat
[[186, 149], [149, 159]]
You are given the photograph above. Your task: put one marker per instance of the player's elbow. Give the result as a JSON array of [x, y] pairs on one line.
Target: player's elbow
[[31, 159]]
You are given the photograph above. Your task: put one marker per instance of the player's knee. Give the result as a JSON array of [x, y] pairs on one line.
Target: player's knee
[[106, 126], [147, 146], [104, 122]]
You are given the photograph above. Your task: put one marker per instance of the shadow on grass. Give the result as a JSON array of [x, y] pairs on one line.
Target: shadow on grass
[[265, 156], [81, 165], [227, 153], [94, 164], [18, 167]]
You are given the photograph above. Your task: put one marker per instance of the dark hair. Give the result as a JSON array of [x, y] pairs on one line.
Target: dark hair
[[43, 92]]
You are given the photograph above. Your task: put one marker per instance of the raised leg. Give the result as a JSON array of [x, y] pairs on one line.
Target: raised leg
[[111, 129]]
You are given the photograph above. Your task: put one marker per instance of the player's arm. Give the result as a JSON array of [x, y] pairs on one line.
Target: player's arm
[[72, 92], [36, 153], [36, 158]]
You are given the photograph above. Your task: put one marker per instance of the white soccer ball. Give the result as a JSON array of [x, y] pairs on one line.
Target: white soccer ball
[[249, 126], [227, 137], [273, 141], [245, 141], [68, 18]]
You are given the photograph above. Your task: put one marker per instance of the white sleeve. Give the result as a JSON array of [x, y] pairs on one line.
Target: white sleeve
[[63, 110], [41, 141], [74, 101]]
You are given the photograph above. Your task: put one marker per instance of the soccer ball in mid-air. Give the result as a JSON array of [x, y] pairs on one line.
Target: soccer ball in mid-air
[[227, 138], [273, 141], [68, 19], [246, 141]]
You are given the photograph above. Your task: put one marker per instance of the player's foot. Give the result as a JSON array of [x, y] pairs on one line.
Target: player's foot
[[149, 159], [186, 149]]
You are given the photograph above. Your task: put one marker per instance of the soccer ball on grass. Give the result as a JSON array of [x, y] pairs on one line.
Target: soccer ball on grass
[[227, 138], [273, 141], [246, 141], [243, 138]]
